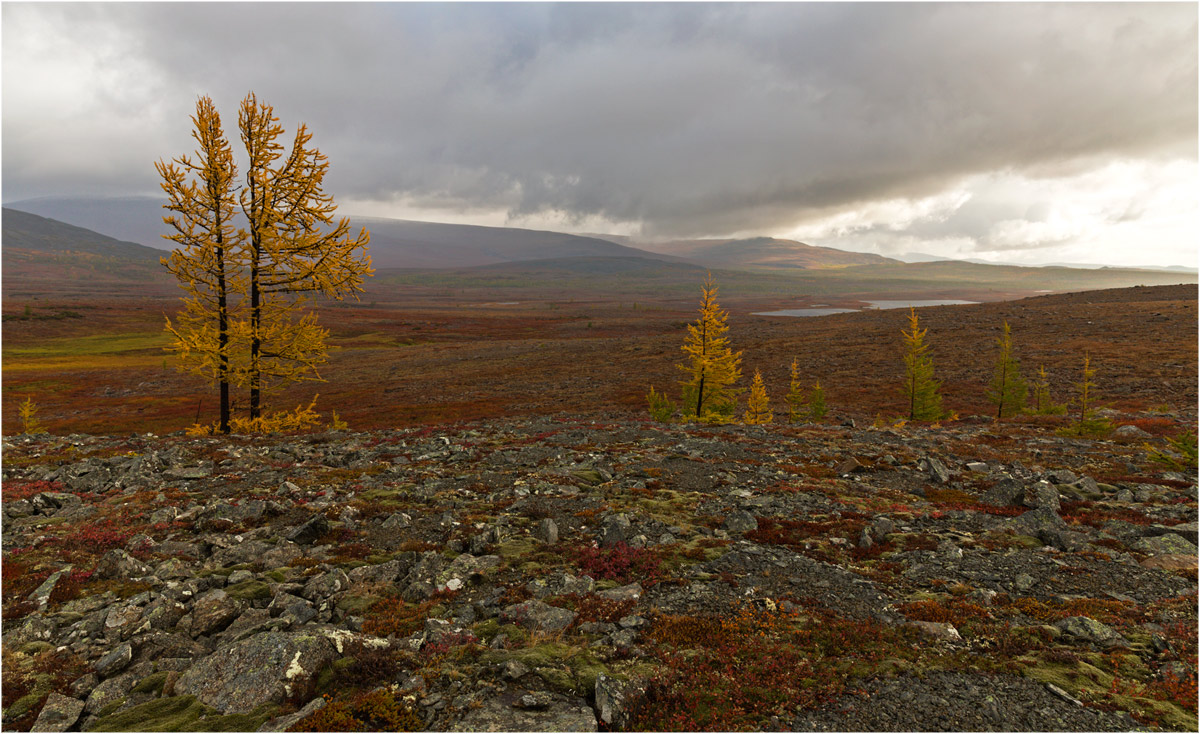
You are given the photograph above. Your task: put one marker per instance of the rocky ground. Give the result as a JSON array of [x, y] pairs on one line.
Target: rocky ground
[[564, 574]]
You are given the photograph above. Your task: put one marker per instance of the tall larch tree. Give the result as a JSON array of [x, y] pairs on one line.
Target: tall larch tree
[[712, 366], [1007, 390], [920, 387], [294, 251], [201, 195]]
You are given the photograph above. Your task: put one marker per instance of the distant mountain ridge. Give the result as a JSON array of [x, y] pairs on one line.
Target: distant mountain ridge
[[398, 243], [395, 243], [26, 231], [758, 252], [45, 255]]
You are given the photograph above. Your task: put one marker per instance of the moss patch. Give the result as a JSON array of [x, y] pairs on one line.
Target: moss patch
[[249, 590], [152, 683], [180, 713]]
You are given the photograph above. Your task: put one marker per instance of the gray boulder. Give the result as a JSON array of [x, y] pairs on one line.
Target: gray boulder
[[538, 615], [740, 521], [1088, 629], [213, 612], [614, 529], [59, 714], [615, 699], [305, 534], [1042, 495], [115, 661], [118, 564], [266, 668], [1007, 492]]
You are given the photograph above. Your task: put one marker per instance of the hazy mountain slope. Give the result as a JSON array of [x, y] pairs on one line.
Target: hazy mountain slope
[[44, 255], [395, 243], [759, 252], [31, 232], [398, 243], [129, 218]]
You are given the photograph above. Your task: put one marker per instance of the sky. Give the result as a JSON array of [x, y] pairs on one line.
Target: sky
[[1023, 133]]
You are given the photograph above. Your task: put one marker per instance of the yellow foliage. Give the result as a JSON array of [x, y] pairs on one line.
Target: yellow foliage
[[302, 418], [758, 412], [289, 252], [245, 320], [712, 367], [28, 415]]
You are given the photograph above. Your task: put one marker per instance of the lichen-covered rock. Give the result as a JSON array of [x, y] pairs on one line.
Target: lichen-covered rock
[[307, 533], [740, 521], [213, 612], [615, 699], [326, 585], [115, 661], [265, 668], [1086, 628], [552, 713], [118, 564], [559, 583], [1164, 545], [538, 615], [59, 714]]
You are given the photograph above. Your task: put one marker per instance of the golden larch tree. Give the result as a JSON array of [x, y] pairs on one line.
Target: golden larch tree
[[920, 387], [758, 409], [712, 366], [1007, 390], [294, 250], [200, 193]]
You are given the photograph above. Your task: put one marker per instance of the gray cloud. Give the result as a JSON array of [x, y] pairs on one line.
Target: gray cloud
[[688, 120]]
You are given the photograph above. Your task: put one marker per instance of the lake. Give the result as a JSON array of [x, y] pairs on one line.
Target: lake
[[881, 305]]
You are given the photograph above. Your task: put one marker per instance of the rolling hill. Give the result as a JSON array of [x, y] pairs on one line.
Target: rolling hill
[[395, 243], [757, 252], [43, 255]]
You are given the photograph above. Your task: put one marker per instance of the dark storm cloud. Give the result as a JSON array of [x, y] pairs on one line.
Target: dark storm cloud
[[688, 119]]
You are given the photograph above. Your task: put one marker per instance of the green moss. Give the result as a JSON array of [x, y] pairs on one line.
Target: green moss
[[35, 647], [174, 714], [512, 550], [1169, 715], [180, 713], [249, 590], [23, 705], [564, 668], [486, 630], [328, 677], [152, 683], [351, 604], [388, 495], [38, 522], [112, 706], [276, 576]]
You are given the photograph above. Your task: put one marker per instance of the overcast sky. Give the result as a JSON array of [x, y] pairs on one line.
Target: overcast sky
[[1025, 132]]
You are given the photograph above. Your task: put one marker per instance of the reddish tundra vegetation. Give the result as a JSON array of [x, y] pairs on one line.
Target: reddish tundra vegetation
[[433, 357]]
